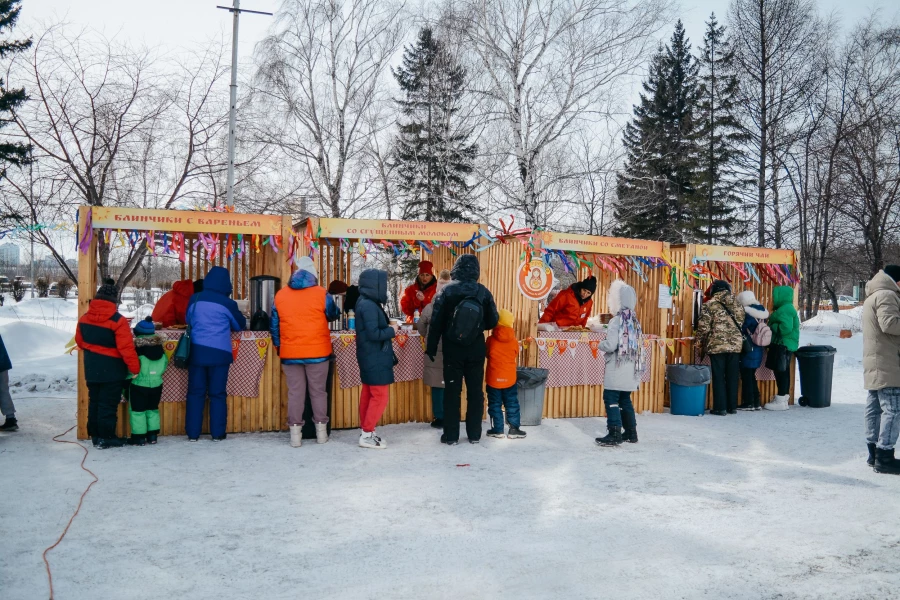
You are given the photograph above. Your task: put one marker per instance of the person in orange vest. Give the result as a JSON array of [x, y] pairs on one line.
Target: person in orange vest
[[502, 351], [419, 295], [301, 336], [572, 306]]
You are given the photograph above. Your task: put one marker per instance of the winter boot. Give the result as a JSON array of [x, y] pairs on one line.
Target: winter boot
[[220, 438], [114, 442], [152, 435], [777, 403], [613, 438], [871, 460], [95, 441], [515, 433], [495, 433], [370, 440], [450, 443], [321, 433], [885, 462], [11, 424], [629, 428], [137, 440], [296, 436], [438, 423]]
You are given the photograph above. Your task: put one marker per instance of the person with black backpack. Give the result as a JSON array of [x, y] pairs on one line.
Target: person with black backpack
[[463, 311]]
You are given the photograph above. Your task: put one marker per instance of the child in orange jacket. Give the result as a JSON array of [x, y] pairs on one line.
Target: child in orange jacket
[[502, 350]]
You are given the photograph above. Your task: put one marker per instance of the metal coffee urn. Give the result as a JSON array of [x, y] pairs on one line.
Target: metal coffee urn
[[262, 299]]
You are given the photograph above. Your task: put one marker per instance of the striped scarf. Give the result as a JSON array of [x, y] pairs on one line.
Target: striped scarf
[[630, 339]]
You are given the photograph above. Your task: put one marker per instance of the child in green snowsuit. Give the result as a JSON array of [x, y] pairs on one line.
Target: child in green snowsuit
[[146, 387]]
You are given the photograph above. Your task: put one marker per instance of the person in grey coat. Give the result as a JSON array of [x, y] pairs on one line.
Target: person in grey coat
[[434, 371], [7, 408], [622, 352], [374, 353]]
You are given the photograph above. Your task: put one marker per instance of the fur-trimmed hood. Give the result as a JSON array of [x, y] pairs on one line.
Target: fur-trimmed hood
[[144, 341], [752, 306], [620, 295]]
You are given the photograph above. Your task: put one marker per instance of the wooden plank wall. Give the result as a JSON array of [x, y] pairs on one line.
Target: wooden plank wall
[[268, 411], [680, 321]]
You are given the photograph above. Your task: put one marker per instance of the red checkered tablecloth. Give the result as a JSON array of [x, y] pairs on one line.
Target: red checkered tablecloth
[[407, 346], [243, 377], [570, 359], [762, 373]]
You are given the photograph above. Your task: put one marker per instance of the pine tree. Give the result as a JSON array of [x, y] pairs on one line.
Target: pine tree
[[657, 195], [432, 149], [11, 153], [720, 138]]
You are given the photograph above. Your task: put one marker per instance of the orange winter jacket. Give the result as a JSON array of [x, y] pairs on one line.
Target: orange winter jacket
[[301, 322], [171, 307], [565, 310], [502, 352]]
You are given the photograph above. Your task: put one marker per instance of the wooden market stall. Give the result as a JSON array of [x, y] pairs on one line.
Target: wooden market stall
[[756, 269], [575, 384], [503, 258], [247, 245], [332, 244]]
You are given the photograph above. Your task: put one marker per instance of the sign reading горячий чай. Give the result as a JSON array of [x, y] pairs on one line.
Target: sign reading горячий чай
[[771, 256]]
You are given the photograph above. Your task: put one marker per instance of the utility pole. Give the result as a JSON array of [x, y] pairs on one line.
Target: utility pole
[[232, 114], [31, 210]]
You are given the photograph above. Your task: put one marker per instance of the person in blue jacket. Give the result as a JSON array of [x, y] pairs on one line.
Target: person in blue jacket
[[754, 313], [212, 316]]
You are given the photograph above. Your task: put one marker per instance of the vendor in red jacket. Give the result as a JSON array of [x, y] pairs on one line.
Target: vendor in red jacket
[[170, 308], [417, 296], [572, 306], [109, 359]]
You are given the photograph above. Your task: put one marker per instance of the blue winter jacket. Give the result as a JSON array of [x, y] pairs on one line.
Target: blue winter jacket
[[753, 314], [301, 280], [212, 316], [374, 348]]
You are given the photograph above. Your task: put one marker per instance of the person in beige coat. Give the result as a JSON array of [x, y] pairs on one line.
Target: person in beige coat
[[434, 371], [881, 368]]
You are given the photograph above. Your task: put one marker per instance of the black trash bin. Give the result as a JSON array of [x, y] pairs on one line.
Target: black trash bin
[[816, 368]]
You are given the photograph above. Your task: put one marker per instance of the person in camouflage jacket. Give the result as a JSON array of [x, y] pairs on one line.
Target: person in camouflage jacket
[[719, 333]]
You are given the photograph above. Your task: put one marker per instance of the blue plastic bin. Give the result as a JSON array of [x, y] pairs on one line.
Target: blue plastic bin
[[687, 400]]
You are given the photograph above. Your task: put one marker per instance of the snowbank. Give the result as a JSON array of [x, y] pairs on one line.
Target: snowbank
[[53, 312], [831, 322], [40, 365]]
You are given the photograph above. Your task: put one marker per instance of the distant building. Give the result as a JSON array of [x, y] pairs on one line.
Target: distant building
[[9, 254]]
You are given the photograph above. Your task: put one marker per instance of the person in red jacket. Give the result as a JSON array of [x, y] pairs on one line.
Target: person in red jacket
[[110, 360], [500, 377], [171, 307], [419, 295], [573, 305]]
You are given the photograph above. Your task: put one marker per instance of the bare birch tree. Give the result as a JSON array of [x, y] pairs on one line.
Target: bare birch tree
[[318, 76], [545, 69], [121, 127]]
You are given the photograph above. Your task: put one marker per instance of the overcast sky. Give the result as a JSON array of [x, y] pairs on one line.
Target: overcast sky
[[174, 23]]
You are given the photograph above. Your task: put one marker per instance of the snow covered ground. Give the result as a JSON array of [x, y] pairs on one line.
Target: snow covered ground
[[757, 505]]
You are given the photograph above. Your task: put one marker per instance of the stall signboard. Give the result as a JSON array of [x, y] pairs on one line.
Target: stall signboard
[[535, 279], [376, 229], [737, 254], [142, 219], [601, 245]]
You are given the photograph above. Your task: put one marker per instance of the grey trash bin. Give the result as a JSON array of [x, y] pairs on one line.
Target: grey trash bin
[[530, 384]]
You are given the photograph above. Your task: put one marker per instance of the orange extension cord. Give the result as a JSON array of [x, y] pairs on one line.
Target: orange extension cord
[[80, 501]]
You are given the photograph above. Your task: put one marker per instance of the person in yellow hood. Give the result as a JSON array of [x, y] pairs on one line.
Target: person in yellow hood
[[502, 351]]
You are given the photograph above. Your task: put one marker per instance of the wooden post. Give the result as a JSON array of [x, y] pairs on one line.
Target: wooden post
[[87, 284]]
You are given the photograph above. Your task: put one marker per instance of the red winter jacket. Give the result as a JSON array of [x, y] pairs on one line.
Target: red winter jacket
[[565, 311], [170, 309], [409, 304], [107, 345]]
